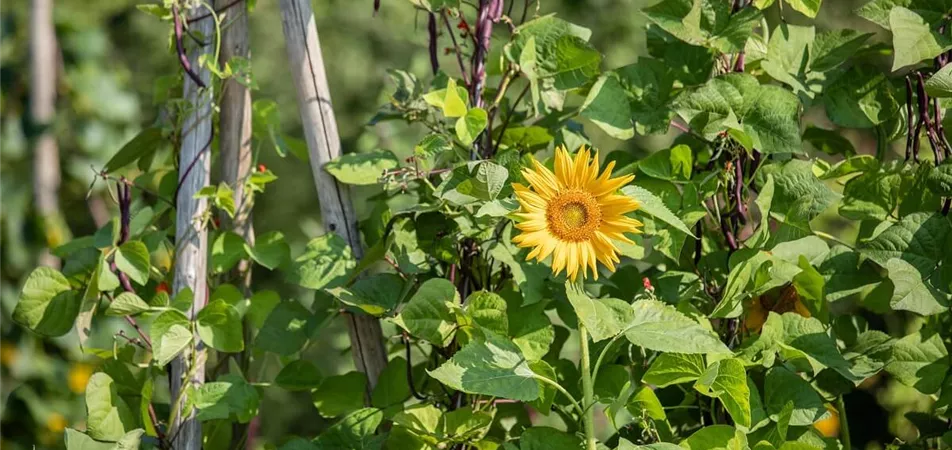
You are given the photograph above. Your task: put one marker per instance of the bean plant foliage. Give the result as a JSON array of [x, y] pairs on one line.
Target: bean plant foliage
[[734, 318]]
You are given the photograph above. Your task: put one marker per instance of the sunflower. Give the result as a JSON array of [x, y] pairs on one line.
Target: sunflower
[[574, 214]]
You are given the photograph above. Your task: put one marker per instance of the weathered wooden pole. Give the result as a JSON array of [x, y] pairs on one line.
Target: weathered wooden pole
[[323, 142], [191, 236], [46, 160]]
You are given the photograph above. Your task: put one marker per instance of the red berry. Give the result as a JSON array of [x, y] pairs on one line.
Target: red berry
[[262, 168], [462, 25], [647, 284], [162, 287]]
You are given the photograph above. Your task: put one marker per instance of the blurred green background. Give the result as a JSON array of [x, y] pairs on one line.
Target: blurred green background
[[112, 55]]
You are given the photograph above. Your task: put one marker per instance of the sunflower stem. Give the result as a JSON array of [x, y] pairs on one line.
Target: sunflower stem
[[588, 389]]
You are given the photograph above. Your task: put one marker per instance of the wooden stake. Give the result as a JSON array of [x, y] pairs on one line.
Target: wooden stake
[[191, 236], [323, 142], [46, 160]]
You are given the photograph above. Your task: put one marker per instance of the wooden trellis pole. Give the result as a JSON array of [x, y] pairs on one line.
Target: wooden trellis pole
[[191, 237], [323, 142]]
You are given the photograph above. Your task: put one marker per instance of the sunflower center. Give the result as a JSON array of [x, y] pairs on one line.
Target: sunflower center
[[573, 215]]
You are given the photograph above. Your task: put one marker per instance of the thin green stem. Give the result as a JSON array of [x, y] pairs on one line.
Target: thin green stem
[[588, 389], [603, 353], [561, 389], [844, 424]]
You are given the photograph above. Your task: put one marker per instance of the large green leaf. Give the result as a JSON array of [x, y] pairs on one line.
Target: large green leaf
[[228, 398], [132, 258], [170, 334], [716, 437], [603, 318], [492, 367], [878, 11], [377, 294], [911, 292], [940, 83], [727, 381], [918, 239], [362, 168], [546, 438], [768, 116], [914, 40], [325, 263], [340, 394], [920, 360], [143, 144], [219, 326], [660, 327], [427, 314], [652, 205], [108, 416], [126, 304], [270, 250], [472, 182], [471, 124], [674, 368], [488, 311], [299, 375], [77, 440], [355, 431], [227, 249], [705, 22], [286, 329], [782, 386], [46, 304]]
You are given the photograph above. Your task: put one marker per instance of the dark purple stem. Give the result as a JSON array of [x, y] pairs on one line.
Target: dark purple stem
[[434, 40], [490, 12], [739, 189], [909, 123], [180, 48]]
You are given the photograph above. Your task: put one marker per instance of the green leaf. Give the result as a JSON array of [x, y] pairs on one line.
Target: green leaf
[[863, 97], [531, 330], [660, 327], [546, 438], [705, 23], [603, 318], [126, 304], [270, 250], [376, 295], [914, 40], [362, 168], [492, 367], [920, 360], [108, 416], [285, 330], [878, 11], [77, 440], [918, 239], [939, 180], [219, 326], [911, 292], [653, 206], [46, 304], [716, 437], [260, 306], [727, 381], [672, 164], [132, 258], [145, 143], [472, 182], [674, 368], [228, 398], [227, 249], [808, 8], [340, 394], [299, 375], [427, 315], [355, 431], [940, 83], [170, 334], [872, 195], [529, 276], [488, 310], [471, 124], [325, 263], [782, 386], [392, 387], [607, 105], [452, 99]]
